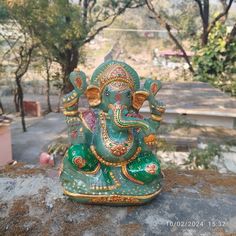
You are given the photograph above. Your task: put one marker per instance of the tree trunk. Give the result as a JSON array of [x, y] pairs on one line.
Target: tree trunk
[[67, 86], [204, 36], [205, 22], [180, 47], [21, 98], [70, 63], [48, 95], [48, 86], [1, 108], [16, 101], [162, 22], [59, 100]]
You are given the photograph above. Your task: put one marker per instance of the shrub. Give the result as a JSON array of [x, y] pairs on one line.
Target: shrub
[[216, 62]]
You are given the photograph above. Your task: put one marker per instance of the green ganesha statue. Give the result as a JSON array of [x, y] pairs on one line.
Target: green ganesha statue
[[110, 159]]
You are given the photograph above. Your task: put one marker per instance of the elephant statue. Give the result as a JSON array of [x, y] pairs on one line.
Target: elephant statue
[[110, 160]]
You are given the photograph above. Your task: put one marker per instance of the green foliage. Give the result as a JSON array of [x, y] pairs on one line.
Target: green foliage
[[182, 122], [3, 12], [62, 27], [216, 62], [56, 25], [202, 158], [162, 145], [56, 80], [182, 15]]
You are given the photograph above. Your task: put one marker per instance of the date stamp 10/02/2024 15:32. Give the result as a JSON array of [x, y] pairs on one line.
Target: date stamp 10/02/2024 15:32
[[196, 224]]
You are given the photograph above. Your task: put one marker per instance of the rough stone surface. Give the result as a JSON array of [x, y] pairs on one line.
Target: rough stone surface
[[192, 203]]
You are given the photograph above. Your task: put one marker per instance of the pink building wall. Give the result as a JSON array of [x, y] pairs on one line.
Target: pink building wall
[[5, 145]]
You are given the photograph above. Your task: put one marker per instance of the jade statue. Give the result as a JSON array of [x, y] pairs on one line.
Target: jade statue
[[110, 160]]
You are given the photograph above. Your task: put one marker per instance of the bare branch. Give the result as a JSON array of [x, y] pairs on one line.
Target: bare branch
[[222, 14], [91, 37], [111, 19], [11, 46], [200, 9], [162, 22], [231, 36]]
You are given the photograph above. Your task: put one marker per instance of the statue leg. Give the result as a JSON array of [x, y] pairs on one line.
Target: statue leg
[[81, 158], [144, 169]]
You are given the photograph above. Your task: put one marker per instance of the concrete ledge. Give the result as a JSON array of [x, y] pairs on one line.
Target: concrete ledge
[[206, 117]]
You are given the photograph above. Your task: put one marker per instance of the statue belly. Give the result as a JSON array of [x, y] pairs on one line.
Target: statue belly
[[113, 154]]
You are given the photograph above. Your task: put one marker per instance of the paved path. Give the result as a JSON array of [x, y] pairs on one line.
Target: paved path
[[27, 146]]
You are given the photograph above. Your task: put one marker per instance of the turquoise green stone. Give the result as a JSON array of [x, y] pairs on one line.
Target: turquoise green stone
[[108, 161]]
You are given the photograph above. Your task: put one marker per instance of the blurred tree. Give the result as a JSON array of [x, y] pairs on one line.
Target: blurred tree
[[47, 65], [164, 18], [64, 26], [184, 18], [216, 62], [20, 47], [204, 11], [163, 21]]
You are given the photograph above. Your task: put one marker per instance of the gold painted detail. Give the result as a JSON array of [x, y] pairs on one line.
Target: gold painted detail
[[139, 98], [125, 124], [156, 117], [111, 187], [93, 95], [70, 96], [72, 120], [107, 163], [118, 85], [128, 176], [71, 103], [150, 139], [161, 109], [117, 149], [113, 198], [114, 73], [70, 113], [93, 172]]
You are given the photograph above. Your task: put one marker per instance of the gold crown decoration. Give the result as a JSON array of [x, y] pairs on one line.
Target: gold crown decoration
[[115, 71]]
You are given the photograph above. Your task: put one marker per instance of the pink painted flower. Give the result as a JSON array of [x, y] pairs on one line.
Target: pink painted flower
[[151, 169]]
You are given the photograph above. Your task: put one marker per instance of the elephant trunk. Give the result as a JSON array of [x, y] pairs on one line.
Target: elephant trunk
[[122, 120]]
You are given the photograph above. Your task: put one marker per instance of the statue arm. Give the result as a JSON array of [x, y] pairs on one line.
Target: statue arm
[[70, 104], [157, 109]]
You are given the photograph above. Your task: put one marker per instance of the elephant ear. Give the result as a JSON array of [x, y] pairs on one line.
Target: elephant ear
[[139, 98], [93, 95]]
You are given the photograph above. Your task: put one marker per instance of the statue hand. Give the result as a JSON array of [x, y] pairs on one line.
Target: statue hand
[[70, 100], [78, 80], [152, 87]]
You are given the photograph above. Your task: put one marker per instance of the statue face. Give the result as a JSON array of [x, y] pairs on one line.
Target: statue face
[[116, 93]]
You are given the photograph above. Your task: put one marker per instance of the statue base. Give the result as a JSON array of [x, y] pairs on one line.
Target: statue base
[[93, 188]]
